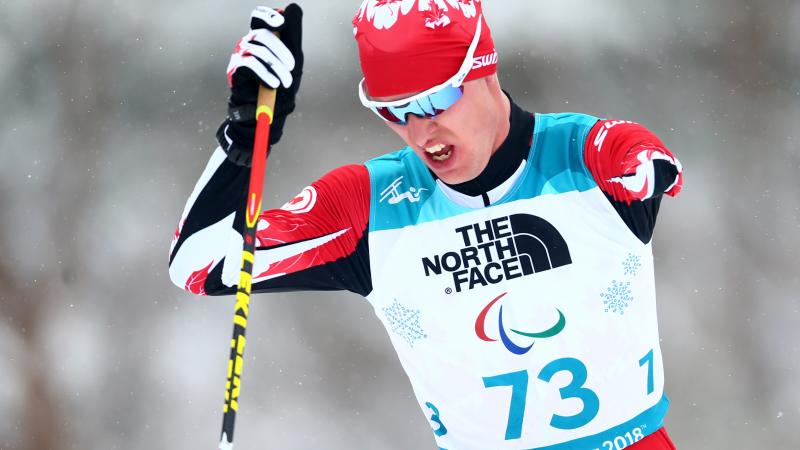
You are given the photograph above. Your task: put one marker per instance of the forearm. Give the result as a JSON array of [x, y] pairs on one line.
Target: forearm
[[207, 245], [210, 225], [317, 241]]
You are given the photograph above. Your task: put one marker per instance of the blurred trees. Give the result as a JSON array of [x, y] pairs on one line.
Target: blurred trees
[[108, 118]]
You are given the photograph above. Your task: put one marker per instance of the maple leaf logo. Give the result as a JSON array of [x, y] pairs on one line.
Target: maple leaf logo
[[435, 17], [467, 7], [383, 14], [196, 284]]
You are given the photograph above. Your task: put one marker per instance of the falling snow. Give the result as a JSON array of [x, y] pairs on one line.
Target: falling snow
[[405, 322], [617, 297]]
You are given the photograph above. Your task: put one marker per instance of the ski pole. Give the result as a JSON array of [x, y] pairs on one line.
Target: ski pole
[[258, 165]]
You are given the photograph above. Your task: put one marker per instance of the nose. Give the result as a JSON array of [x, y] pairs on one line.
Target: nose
[[420, 130]]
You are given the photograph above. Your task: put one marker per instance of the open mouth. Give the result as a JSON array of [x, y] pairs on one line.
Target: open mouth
[[439, 152]]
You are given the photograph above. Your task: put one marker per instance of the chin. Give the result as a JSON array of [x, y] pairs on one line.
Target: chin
[[455, 177]]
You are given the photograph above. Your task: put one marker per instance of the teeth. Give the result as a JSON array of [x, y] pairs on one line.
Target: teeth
[[435, 148], [443, 157]]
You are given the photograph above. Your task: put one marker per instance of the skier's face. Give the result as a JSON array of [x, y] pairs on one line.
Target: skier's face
[[457, 144]]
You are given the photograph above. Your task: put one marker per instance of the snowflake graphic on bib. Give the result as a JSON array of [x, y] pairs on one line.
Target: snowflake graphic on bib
[[404, 322], [617, 297], [632, 264]]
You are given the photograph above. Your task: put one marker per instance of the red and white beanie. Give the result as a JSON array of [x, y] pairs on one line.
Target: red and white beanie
[[408, 46]]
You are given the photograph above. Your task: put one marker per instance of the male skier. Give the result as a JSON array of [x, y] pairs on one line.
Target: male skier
[[507, 253]]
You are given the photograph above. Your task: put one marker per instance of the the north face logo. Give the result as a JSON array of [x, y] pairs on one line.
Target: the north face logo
[[501, 249]]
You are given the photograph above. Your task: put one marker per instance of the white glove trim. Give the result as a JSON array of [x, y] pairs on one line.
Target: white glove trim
[[263, 53], [268, 15]]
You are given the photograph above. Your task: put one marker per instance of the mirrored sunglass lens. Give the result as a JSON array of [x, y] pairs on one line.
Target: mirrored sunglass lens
[[402, 112], [388, 115], [426, 107], [445, 98], [429, 106]]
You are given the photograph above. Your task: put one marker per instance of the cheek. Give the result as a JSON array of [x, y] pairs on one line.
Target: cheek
[[401, 131], [477, 125], [473, 118], [396, 128]]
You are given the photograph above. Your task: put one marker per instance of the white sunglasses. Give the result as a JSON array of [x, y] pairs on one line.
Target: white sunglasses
[[429, 103]]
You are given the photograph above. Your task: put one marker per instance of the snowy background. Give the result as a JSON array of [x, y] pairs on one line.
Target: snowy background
[[108, 114]]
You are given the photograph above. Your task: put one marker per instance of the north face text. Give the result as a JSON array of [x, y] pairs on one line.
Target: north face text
[[501, 249]]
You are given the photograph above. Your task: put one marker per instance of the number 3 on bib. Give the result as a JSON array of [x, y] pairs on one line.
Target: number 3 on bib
[[591, 403], [519, 389]]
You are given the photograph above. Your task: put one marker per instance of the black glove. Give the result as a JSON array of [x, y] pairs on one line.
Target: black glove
[[262, 58]]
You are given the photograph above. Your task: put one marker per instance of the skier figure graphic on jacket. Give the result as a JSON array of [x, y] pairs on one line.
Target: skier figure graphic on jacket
[[508, 254]]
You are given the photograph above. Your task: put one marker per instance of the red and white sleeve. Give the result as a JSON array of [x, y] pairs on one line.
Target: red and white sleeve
[[634, 169], [316, 241], [631, 163]]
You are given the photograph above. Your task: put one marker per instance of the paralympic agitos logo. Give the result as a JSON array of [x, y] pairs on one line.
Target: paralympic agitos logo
[[480, 329], [501, 249]]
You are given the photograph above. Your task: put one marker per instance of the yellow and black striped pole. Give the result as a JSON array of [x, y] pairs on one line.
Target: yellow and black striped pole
[[264, 113]]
